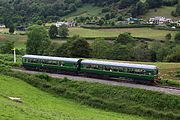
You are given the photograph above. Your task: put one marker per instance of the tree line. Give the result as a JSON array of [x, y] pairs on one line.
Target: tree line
[[125, 47]]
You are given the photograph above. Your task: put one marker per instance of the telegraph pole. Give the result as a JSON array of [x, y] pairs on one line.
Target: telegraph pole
[[14, 54]]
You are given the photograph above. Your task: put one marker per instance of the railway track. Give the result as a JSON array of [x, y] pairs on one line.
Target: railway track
[[158, 88]]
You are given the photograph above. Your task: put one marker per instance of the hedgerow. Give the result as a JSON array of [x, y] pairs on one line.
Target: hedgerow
[[113, 98]]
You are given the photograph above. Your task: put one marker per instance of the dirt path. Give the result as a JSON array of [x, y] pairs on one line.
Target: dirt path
[[80, 78]]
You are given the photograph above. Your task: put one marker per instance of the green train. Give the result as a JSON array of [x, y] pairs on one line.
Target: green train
[[91, 67]]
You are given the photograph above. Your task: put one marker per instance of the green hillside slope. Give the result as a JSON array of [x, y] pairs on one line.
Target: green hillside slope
[[163, 11], [39, 105]]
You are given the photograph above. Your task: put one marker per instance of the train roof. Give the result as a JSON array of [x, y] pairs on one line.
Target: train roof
[[51, 58], [117, 64]]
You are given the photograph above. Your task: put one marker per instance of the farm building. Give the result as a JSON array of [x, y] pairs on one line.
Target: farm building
[[160, 20], [68, 24]]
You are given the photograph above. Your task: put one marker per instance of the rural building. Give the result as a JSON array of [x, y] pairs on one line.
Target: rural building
[[159, 20], [132, 20], [2, 26], [68, 24], [21, 28]]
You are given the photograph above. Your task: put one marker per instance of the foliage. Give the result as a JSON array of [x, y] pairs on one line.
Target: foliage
[[141, 52], [175, 55], [140, 9], [178, 9], [53, 32], [154, 3], [177, 38], [7, 47], [168, 36], [124, 38], [11, 29], [63, 31], [80, 48], [38, 11], [100, 48], [38, 40]]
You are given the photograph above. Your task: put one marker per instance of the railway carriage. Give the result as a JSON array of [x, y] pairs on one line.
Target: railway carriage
[[52, 64], [91, 67], [115, 69]]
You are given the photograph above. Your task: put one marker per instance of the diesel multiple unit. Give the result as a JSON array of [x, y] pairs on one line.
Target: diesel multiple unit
[[91, 67]]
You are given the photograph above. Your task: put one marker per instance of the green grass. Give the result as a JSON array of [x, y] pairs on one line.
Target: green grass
[[39, 105], [85, 10], [20, 40], [163, 11], [136, 32]]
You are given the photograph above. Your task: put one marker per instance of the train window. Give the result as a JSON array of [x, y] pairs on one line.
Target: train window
[[62, 64], [139, 71]]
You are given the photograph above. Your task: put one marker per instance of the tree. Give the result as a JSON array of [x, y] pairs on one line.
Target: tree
[[38, 40], [119, 52], [11, 29], [124, 38], [168, 36], [177, 38], [139, 9], [175, 55], [53, 32], [100, 48], [154, 3], [141, 52], [101, 22], [80, 48], [7, 47], [63, 31], [178, 8]]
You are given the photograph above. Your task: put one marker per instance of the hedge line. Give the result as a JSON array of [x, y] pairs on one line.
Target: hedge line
[[118, 26], [117, 99]]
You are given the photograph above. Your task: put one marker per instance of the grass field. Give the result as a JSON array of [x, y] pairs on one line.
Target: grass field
[[20, 40], [86, 10], [163, 11], [39, 105], [136, 32]]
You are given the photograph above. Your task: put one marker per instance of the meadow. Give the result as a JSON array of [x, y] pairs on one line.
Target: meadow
[[136, 32], [163, 11], [85, 10], [20, 40], [39, 105]]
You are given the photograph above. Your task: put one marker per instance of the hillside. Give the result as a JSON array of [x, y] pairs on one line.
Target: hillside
[[39, 105], [42, 11], [163, 11]]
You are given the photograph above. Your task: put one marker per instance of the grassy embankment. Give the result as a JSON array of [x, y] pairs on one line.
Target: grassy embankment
[[39, 105], [113, 98]]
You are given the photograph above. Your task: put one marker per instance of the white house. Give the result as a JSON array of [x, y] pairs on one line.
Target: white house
[[160, 20], [68, 24], [2, 26]]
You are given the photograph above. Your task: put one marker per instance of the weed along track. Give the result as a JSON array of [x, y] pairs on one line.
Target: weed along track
[[164, 89]]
